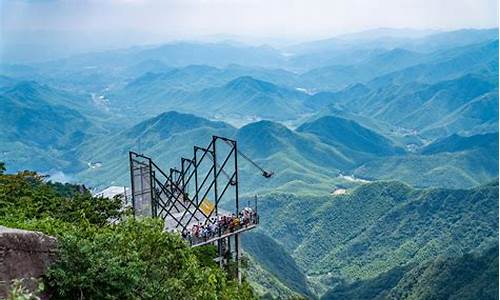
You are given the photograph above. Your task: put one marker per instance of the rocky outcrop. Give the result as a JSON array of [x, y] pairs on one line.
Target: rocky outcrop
[[24, 254]]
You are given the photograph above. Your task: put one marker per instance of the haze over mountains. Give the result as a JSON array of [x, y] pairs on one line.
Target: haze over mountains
[[325, 116]]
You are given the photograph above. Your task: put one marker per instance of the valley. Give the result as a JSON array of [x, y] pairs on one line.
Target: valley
[[384, 149]]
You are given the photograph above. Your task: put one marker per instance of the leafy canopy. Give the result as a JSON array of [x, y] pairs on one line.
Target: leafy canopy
[[130, 259]]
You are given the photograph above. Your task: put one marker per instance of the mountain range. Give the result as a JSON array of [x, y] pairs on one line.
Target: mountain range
[[383, 145]]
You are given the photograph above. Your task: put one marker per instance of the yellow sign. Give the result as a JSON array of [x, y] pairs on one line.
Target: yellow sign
[[206, 206]]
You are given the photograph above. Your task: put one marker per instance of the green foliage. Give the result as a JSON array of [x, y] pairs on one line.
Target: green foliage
[[126, 259], [264, 283], [272, 257], [463, 169], [18, 291], [380, 226], [26, 196], [468, 277], [135, 260], [341, 132], [471, 276], [40, 125], [456, 143], [205, 254]]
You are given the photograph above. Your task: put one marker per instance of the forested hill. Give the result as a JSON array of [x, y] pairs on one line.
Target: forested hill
[[380, 228], [470, 276]]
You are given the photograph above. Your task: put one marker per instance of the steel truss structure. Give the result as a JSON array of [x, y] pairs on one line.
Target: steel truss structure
[[191, 194]]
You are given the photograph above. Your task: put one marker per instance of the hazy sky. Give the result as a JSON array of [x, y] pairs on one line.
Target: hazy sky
[[117, 22], [188, 18]]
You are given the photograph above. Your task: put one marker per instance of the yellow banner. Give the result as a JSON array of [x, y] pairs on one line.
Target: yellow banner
[[206, 206]]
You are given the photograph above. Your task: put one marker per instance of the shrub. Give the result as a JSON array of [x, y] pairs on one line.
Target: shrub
[[131, 259]]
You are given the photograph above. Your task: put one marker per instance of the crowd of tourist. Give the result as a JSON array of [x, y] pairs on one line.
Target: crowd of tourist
[[220, 225]]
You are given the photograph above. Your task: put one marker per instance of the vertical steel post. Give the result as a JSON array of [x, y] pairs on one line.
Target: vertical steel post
[[154, 201], [132, 188], [216, 196], [183, 179], [255, 205], [195, 162], [237, 236], [151, 188], [171, 175]]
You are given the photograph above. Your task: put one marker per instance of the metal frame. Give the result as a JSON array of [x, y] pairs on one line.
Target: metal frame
[[170, 195]]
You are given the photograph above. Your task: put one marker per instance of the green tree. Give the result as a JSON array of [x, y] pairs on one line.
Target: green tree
[[103, 253]]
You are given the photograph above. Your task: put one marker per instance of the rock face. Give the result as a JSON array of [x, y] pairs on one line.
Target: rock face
[[24, 254]]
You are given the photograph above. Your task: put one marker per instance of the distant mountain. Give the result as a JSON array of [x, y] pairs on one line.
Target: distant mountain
[[309, 158], [431, 104], [37, 127], [246, 96], [28, 117], [452, 39], [267, 139], [215, 54], [457, 143], [333, 99], [302, 159], [477, 116], [211, 92], [298, 161], [189, 78], [167, 124], [445, 65], [388, 38], [378, 33], [466, 105], [337, 131], [453, 170], [355, 49], [147, 66], [402, 66], [336, 77], [165, 137]]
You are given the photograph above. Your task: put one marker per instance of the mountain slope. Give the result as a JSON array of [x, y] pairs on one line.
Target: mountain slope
[[454, 161], [456, 143], [298, 160], [211, 92], [246, 96], [337, 131], [351, 238], [38, 130], [165, 138], [273, 258], [465, 105], [471, 276]]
